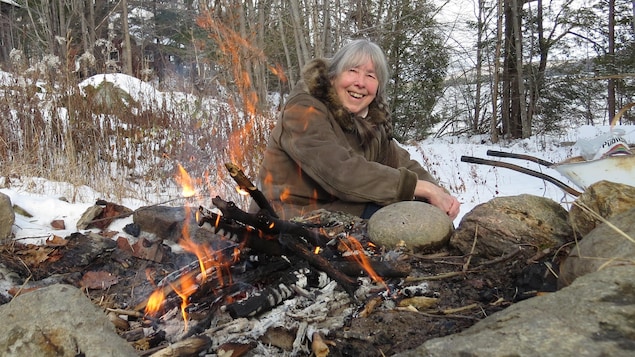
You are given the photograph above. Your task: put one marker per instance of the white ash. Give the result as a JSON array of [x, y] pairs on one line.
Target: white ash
[[322, 310], [422, 289]]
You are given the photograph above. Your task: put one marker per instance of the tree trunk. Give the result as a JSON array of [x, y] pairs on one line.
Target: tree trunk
[[300, 37], [476, 117], [507, 74], [611, 57], [525, 126], [499, 40], [127, 48], [287, 54]]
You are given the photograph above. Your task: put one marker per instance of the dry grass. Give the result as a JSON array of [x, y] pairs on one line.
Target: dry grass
[[105, 140]]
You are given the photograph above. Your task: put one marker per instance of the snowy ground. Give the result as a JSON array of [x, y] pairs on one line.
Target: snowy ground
[[472, 184]]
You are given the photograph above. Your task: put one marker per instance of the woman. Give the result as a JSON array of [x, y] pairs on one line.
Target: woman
[[332, 147]]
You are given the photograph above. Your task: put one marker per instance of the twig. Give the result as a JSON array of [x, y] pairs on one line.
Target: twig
[[603, 220], [434, 277], [439, 315], [132, 313], [469, 257], [245, 184], [459, 309], [21, 288], [500, 259]]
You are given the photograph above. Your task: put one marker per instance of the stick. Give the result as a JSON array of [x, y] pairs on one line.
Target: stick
[[317, 261], [500, 259], [469, 257], [560, 184], [192, 346], [268, 224], [245, 184], [434, 277]]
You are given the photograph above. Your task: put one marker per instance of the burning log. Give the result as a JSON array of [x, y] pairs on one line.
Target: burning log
[[269, 225], [385, 269], [288, 236], [245, 184], [316, 260]]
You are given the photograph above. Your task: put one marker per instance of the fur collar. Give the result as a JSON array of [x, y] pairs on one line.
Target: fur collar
[[315, 76]]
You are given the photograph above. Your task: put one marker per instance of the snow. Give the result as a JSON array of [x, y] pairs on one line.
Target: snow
[[472, 184]]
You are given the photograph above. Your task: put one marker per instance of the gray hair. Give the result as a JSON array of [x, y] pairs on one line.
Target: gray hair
[[356, 53]]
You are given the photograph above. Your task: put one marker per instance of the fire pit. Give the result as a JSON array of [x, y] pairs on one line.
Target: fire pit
[[253, 284]]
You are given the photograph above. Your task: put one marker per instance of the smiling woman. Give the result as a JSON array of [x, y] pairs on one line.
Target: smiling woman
[[333, 148]]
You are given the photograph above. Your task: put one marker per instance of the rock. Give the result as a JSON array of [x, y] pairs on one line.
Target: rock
[[164, 221], [602, 247], [21, 211], [505, 224], [58, 321], [102, 214], [418, 224], [7, 217], [606, 199], [591, 317], [88, 216], [58, 224]]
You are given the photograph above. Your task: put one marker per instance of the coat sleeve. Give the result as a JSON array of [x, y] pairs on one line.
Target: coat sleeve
[[319, 147]]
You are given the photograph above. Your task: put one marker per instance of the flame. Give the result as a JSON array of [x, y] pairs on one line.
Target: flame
[[186, 289], [357, 253], [186, 182], [241, 191], [279, 72], [154, 302]]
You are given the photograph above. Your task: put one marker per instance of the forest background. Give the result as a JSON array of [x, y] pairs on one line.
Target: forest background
[[509, 69]]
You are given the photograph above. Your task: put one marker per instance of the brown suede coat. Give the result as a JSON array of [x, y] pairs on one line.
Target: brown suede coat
[[316, 156]]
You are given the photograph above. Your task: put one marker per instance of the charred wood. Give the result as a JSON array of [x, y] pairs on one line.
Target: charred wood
[[240, 233], [269, 225], [276, 293], [317, 261], [192, 346], [385, 269], [245, 184]]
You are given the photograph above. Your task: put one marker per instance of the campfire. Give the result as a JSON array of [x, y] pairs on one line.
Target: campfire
[[304, 275]]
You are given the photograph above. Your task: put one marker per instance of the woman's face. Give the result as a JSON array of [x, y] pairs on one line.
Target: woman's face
[[357, 87]]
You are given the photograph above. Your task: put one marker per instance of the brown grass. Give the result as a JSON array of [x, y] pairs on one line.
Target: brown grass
[[105, 140]]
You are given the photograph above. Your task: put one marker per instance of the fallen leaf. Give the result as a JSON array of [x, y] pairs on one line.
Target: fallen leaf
[[35, 255], [56, 241], [98, 280], [153, 251]]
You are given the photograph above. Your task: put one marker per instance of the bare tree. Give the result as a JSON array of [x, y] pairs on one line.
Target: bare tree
[[499, 41]]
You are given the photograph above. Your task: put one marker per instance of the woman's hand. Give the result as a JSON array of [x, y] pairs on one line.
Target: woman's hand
[[438, 197]]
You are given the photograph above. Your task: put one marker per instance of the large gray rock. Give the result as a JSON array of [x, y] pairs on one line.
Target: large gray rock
[[58, 321], [504, 225], [592, 317], [606, 199], [164, 221], [606, 245], [417, 224], [7, 217]]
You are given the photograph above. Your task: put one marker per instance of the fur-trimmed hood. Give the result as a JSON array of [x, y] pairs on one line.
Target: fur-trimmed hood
[[317, 83]]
